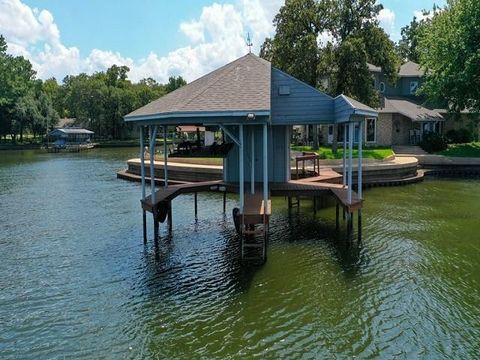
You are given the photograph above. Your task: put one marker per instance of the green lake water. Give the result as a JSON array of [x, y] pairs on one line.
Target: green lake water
[[76, 280]]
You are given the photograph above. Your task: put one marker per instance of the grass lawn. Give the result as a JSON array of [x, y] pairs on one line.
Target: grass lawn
[[462, 150], [378, 153]]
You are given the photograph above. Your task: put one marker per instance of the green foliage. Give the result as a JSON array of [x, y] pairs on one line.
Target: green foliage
[[98, 101], [350, 16], [174, 82], [433, 142], [338, 66], [460, 136], [463, 150], [17, 79], [355, 79], [378, 152], [294, 48], [449, 52], [408, 46]]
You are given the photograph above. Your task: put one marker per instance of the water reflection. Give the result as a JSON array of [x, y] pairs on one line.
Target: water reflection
[[77, 281]]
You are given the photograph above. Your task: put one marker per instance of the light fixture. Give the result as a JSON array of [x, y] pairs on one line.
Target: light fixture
[[251, 116]]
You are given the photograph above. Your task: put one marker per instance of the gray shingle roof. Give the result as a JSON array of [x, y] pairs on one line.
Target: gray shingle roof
[[410, 109], [72, 131], [410, 69], [242, 85], [358, 105]]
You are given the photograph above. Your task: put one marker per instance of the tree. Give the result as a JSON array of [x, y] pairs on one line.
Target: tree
[[340, 66], [450, 55], [174, 82], [16, 79], [407, 47], [294, 48], [55, 94]]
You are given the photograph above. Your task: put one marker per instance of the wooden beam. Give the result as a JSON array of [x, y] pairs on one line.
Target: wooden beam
[[230, 135]]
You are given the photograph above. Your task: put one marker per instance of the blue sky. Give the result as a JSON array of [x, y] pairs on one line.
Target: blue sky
[[154, 38]]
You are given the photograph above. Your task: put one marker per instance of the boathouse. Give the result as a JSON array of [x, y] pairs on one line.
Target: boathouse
[[255, 105], [73, 135]]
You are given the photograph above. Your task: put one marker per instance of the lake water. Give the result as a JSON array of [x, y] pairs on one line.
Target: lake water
[[76, 280]]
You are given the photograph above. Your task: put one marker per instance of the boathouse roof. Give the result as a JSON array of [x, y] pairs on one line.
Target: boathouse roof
[[249, 86], [71, 131]]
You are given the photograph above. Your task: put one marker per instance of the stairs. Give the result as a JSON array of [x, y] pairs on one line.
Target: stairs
[[408, 150]]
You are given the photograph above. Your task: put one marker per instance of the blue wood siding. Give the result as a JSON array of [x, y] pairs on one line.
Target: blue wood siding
[[401, 88], [278, 154], [304, 104], [343, 110]]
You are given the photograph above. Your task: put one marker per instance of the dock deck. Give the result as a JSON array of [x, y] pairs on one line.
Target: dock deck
[[295, 188], [172, 191]]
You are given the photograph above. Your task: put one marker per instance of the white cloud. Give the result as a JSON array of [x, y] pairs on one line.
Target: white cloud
[[216, 37], [386, 17]]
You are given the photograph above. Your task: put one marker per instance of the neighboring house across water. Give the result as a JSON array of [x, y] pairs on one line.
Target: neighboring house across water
[[71, 136], [403, 118]]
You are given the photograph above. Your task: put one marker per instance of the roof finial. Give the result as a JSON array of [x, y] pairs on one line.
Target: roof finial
[[249, 43]]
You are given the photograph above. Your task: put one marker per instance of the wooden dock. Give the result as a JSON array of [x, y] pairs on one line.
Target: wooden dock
[[254, 220], [172, 191]]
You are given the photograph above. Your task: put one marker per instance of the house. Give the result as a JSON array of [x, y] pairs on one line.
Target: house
[[403, 117]]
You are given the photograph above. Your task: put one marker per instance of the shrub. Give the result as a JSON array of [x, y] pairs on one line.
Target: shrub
[[433, 142], [460, 136]]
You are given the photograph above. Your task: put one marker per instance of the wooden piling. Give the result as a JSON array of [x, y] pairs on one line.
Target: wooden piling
[[144, 227], [359, 225], [170, 217], [337, 216], [156, 227], [224, 201], [196, 206]]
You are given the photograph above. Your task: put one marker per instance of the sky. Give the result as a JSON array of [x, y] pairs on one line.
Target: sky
[[154, 38]]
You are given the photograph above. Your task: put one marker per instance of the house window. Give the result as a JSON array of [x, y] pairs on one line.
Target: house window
[[413, 87], [371, 130], [382, 87]]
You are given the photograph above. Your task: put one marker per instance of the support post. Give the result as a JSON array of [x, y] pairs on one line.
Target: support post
[[196, 206], [153, 135], [359, 225], [337, 216], [344, 177], [241, 169], [360, 159], [165, 157], [265, 166], [252, 165], [170, 217], [224, 201], [350, 152], [142, 174], [155, 229]]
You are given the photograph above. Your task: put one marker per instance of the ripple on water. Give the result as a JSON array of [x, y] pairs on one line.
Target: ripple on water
[[77, 280]]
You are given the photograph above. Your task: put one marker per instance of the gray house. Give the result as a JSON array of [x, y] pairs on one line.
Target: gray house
[[403, 118]]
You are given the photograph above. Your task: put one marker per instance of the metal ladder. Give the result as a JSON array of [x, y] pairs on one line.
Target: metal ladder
[[251, 233]]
